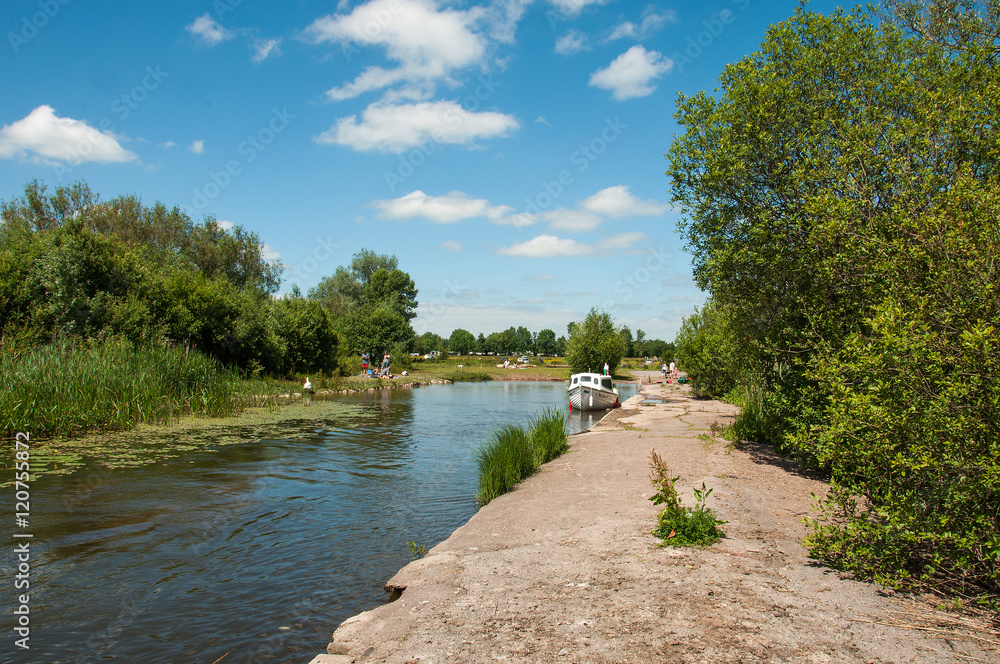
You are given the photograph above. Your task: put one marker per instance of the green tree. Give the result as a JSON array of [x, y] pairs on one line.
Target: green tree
[[545, 343], [626, 335], [461, 341], [595, 342], [522, 341], [372, 303], [839, 197], [706, 350]]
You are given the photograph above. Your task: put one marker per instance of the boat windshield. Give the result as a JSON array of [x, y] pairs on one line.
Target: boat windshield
[[606, 383]]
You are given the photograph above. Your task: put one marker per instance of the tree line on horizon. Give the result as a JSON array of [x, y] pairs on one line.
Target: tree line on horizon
[[519, 340], [840, 198]]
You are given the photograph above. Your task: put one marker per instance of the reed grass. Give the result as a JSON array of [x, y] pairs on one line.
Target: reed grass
[[65, 387], [513, 453], [468, 377]]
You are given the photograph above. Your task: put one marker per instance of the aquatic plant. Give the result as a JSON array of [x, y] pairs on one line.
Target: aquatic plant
[[514, 453], [67, 387]]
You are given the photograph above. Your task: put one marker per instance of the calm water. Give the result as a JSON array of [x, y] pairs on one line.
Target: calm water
[[259, 550]]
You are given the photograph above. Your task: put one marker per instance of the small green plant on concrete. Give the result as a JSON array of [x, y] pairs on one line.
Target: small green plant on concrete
[[678, 525], [417, 550]]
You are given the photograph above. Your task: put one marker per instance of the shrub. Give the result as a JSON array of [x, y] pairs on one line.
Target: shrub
[[677, 525]]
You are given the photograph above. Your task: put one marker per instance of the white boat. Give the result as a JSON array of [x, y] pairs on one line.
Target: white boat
[[591, 391]]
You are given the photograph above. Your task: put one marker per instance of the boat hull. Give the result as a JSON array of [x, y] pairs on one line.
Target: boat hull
[[587, 393]]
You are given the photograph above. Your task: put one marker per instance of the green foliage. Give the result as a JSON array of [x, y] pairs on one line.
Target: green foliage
[[461, 341], [840, 199], [593, 343], [678, 525], [372, 304], [514, 453], [417, 551], [75, 268], [545, 342], [706, 348]]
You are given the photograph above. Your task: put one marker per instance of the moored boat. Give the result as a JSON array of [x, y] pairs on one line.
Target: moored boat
[[591, 391]]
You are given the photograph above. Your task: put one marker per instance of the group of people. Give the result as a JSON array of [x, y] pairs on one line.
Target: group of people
[[672, 371], [383, 371]]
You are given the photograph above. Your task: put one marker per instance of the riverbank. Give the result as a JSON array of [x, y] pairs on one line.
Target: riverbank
[[564, 568]]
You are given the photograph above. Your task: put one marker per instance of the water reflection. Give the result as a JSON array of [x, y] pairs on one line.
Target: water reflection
[[260, 549]]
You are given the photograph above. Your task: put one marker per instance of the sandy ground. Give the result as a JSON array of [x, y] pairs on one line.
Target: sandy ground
[[564, 569]]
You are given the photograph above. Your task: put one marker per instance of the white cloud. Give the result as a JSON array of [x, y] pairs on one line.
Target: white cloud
[[225, 225], [547, 246], [43, 136], [197, 147], [264, 48], [428, 43], [619, 202], [541, 120], [651, 24], [398, 127], [614, 202], [269, 253], [540, 277], [208, 30], [574, 7], [447, 209], [573, 220], [550, 246], [623, 31], [630, 74], [168, 144], [621, 241], [570, 43], [451, 245]]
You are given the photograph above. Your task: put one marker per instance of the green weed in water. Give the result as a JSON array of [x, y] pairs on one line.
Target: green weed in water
[[514, 453], [66, 387]]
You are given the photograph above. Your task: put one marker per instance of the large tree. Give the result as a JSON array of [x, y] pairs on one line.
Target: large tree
[[595, 342], [839, 195], [373, 302], [461, 341]]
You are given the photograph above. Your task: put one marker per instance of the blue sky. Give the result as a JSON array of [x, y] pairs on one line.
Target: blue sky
[[510, 153]]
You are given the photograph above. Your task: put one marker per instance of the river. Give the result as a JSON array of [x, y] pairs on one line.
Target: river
[[256, 551]]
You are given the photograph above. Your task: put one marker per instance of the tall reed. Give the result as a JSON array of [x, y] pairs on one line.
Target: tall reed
[[513, 453], [66, 387]]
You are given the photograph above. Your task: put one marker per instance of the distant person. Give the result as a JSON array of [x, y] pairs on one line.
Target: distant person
[[385, 366], [663, 370], [365, 360], [506, 363], [673, 370], [605, 368]]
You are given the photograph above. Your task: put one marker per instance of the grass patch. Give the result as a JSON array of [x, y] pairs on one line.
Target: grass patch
[[65, 388], [468, 377], [677, 525], [514, 453]]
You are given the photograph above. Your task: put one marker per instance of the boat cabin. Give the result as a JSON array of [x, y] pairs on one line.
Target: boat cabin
[[590, 379]]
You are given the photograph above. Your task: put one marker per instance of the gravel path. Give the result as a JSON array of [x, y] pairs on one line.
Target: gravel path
[[564, 569]]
